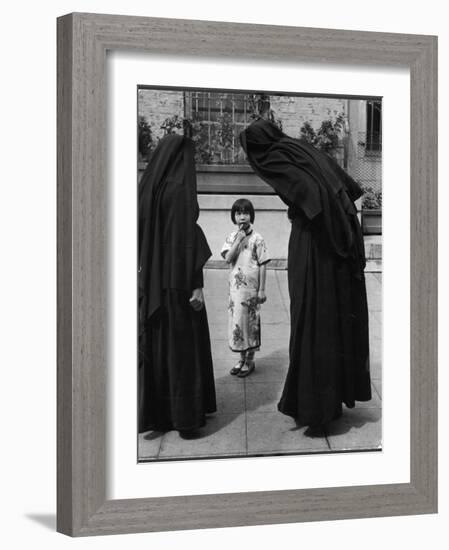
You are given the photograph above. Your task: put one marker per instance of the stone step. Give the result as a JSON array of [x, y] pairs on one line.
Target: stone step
[[373, 253]]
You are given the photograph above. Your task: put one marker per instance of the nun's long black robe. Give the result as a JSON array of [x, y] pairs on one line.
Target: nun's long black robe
[[176, 382], [329, 343]]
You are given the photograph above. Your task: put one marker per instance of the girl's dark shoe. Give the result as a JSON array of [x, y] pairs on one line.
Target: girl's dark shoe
[[247, 368], [236, 369]]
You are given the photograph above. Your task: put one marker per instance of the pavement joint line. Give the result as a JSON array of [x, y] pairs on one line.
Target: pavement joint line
[[377, 391], [246, 416]]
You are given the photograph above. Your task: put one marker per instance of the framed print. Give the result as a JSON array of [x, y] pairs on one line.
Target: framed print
[[246, 420], [118, 475]]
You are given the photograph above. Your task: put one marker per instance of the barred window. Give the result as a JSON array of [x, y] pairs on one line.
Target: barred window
[[218, 119], [373, 126]]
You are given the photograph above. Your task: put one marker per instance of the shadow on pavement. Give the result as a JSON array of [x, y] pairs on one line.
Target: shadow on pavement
[[150, 436], [353, 418]]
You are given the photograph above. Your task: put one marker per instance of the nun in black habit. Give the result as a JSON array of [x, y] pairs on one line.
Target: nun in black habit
[[329, 344], [176, 382]]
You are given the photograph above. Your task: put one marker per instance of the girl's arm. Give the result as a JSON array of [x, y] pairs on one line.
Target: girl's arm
[[262, 277], [233, 252]]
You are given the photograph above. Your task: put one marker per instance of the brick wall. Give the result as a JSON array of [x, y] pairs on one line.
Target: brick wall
[[157, 105], [294, 111]]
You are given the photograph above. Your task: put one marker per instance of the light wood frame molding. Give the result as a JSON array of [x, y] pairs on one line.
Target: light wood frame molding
[[83, 40]]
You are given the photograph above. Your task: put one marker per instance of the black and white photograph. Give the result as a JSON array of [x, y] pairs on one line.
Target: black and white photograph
[[224, 222], [259, 273]]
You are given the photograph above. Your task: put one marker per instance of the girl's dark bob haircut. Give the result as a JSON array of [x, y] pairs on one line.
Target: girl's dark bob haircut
[[243, 205]]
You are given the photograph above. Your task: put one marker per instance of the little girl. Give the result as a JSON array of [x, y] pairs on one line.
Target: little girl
[[247, 254]]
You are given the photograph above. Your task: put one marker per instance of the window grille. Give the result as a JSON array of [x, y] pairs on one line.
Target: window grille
[[373, 126], [218, 119]]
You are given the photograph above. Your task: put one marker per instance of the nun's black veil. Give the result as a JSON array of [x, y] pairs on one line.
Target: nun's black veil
[[309, 180], [172, 247]]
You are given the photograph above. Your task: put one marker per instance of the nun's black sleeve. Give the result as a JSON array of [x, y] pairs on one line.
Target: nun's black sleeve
[[202, 253]]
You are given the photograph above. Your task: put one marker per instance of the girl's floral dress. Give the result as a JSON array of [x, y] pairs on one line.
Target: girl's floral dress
[[243, 308]]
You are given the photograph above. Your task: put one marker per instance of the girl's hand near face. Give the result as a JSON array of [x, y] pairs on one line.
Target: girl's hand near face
[[240, 236], [234, 251], [261, 297]]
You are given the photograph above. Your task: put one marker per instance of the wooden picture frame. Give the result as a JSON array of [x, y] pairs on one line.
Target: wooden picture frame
[[83, 40]]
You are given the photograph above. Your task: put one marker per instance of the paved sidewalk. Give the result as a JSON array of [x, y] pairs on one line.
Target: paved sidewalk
[[247, 422]]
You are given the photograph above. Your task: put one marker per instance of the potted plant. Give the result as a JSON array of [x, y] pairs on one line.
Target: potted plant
[[372, 212]]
